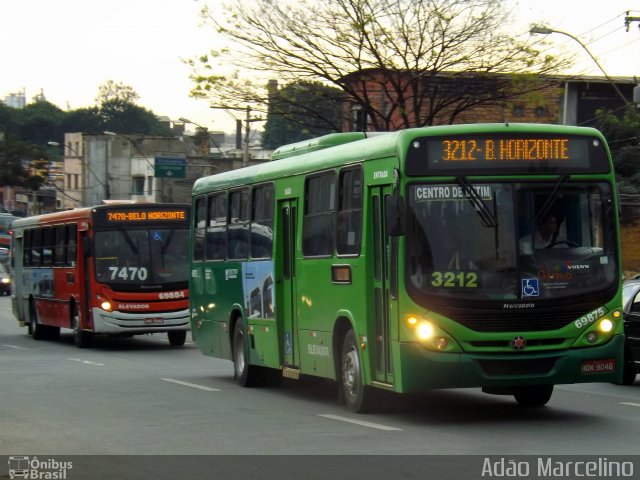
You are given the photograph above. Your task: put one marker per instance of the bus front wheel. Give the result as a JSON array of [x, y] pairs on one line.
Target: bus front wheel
[[533, 395], [355, 393], [243, 372]]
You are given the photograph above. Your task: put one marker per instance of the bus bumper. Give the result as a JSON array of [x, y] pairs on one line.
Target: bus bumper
[[421, 369], [119, 322]]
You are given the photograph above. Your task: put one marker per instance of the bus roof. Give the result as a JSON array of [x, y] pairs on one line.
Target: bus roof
[[311, 155]]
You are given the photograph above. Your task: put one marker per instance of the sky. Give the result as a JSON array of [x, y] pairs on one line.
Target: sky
[[68, 48]]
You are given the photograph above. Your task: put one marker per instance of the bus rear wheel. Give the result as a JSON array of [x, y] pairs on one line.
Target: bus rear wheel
[[177, 337], [36, 330], [357, 396], [533, 395], [245, 374]]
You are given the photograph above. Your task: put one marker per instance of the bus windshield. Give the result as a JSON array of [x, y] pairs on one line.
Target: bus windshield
[[511, 241], [141, 257]]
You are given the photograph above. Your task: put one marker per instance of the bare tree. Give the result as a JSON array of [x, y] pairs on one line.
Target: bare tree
[[404, 63]]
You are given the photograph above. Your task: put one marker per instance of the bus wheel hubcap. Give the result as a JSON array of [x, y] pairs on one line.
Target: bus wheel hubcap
[[350, 373], [239, 354]]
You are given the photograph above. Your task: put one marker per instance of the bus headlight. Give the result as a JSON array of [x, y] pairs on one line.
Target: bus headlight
[[605, 325], [106, 306], [431, 336], [599, 332], [424, 330]]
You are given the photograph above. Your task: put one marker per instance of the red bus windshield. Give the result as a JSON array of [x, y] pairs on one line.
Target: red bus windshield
[[142, 259]]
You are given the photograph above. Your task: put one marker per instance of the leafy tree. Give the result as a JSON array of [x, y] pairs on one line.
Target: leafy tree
[[111, 90], [300, 111], [125, 117], [39, 122], [420, 61], [22, 164], [623, 136], [26, 132], [86, 120]]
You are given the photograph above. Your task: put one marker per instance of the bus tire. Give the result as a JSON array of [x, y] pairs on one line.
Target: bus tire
[[177, 337], [80, 338], [533, 395], [36, 330], [356, 395], [244, 373]]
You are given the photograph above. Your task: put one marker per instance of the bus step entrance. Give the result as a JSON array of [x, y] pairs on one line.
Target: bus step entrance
[[292, 373]]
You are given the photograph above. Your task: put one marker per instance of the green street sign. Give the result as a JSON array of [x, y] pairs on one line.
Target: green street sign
[[170, 167]]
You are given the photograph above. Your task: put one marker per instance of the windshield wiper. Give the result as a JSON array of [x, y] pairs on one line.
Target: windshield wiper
[[127, 238], [486, 215], [550, 199], [167, 242]]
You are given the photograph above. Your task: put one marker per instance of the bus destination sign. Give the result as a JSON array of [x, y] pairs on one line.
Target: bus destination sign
[[518, 149], [128, 216], [506, 153]]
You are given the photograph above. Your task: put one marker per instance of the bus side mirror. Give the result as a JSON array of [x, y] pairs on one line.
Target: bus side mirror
[[394, 215], [86, 246]]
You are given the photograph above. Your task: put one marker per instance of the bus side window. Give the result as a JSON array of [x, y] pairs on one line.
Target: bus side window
[[238, 230], [26, 248], [348, 234], [36, 247], [59, 242], [70, 257], [199, 223], [319, 215], [216, 227], [262, 221], [47, 246]]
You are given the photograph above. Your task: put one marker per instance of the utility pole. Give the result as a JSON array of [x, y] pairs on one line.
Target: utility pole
[[245, 157], [247, 126]]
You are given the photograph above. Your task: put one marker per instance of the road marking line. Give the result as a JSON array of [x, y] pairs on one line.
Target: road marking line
[[187, 384], [630, 404], [86, 362], [16, 347], [359, 422]]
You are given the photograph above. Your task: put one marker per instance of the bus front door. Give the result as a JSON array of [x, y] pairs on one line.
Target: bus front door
[[382, 299], [285, 282]]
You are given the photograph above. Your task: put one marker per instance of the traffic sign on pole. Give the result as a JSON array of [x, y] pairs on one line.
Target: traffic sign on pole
[[170, 167]]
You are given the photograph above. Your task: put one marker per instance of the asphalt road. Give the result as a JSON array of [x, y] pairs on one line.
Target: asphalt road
[[140, 396]]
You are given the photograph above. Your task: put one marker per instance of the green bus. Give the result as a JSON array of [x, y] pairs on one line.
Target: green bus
[[481, 255]]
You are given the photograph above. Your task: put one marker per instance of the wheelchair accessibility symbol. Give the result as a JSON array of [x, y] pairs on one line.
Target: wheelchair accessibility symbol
[[530, 287]]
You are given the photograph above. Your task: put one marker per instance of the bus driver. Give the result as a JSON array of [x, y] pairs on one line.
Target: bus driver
[[545, 234]]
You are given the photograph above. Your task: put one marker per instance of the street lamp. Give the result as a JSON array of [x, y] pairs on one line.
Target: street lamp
[[215, 144], [539, 30]]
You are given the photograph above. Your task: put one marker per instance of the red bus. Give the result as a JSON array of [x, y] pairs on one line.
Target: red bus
[[116, 269], [6, 219]]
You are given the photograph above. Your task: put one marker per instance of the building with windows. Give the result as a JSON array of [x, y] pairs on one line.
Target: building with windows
[[112, 166], [399, 99]]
